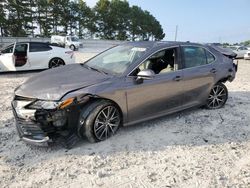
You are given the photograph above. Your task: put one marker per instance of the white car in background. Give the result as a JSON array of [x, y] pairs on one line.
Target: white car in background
[[33, 56], [71, 42], [247, 55], [240, 51]]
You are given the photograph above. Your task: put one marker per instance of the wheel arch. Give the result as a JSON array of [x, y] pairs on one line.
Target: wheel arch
[[96, 99], [88, 107], [224, 79]]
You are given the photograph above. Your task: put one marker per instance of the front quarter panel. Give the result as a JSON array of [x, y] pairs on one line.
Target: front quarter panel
[[112, 89]]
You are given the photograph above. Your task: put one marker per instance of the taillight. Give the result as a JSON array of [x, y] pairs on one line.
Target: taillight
[[71, 53]]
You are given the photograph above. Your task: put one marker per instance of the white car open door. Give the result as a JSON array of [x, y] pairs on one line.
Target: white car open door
[[21, 61], [7, 59]]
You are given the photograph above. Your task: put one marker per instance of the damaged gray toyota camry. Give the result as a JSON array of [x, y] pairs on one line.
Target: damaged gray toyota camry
[[124, 85]]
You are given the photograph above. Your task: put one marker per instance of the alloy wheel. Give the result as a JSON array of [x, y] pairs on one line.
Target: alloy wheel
[[56, 63], [217, 97], [106, 123]]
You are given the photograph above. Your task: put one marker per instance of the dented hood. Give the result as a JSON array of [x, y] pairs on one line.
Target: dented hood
[[55, 83]]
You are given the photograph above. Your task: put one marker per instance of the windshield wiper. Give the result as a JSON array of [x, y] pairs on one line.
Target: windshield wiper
[[95, 69]]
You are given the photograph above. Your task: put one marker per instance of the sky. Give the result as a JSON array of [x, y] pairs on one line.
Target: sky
[[200, 20]]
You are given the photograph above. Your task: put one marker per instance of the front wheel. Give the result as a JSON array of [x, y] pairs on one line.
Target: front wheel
[[217, 97], [99, 121]]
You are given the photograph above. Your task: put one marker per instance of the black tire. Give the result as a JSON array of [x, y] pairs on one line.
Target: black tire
[[72, 47], [89, 124], [218, 96], [56, 62]]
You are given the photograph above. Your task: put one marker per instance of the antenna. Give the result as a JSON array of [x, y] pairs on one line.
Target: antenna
[[176, 32]]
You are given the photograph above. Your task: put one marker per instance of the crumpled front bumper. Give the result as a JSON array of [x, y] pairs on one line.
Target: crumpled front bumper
[[31, 133]]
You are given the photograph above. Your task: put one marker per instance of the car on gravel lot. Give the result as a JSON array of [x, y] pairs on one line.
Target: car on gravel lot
[[23, 56], [124, 85]]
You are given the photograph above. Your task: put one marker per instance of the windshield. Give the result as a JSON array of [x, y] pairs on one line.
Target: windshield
[[116, 60], [74, 39]]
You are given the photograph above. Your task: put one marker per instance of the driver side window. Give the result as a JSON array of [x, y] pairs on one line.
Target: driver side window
[[161, 62]]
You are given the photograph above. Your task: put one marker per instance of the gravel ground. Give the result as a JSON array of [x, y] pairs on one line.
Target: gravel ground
[[194, 148]]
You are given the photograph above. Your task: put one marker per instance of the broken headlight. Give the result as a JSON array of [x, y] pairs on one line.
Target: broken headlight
[[48, 105]]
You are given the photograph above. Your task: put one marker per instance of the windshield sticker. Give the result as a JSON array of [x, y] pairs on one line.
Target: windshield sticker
[[138, 49]]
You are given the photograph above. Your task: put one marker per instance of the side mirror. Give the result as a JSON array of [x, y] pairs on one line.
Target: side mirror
[[146, 74]]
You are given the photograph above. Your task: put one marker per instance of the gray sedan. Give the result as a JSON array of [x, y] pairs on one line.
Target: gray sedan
[[124, 85]]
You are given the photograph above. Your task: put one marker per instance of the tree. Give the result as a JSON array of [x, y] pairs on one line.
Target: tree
[[246, 43], [3, 21], [120, 13], [104, 21], [15, 18], [44, 18], [29, 17], [86, 20], [144, 26], [109, 19]]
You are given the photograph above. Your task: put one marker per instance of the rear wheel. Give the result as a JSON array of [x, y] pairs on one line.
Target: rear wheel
[[72, 47], [56, 62], [99, 121], [217, 97]]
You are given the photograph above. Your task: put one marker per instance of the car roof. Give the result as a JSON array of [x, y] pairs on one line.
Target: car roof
[[33, 42], [149, 44]]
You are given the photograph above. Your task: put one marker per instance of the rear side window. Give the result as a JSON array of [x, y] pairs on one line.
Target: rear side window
[[194, 56], [242, 48], [197, 56], [39, 47], [210, 57]]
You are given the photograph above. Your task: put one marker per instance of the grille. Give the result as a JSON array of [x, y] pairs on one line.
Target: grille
[[28, 127]]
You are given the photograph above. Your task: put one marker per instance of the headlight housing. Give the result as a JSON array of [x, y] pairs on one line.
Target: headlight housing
[[48, 105]]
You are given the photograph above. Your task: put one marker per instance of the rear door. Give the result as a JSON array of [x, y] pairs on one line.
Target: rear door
[[198, 74], [39, 55]]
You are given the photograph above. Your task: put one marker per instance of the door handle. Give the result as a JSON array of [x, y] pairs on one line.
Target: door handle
[[213, 70], [177, 78]]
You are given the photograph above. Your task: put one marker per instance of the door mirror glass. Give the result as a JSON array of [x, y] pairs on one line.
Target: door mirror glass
[[146, 74]]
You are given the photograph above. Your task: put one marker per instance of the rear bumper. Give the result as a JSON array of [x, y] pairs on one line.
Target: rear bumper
[[247, 56]]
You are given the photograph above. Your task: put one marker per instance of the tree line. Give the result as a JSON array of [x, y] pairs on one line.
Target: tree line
[[108, 19]]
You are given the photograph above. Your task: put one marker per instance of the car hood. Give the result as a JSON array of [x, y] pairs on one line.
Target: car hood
[[55, 83]]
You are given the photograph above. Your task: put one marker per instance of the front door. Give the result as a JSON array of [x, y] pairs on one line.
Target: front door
[[20, 56], [7, 59], [159, 95]]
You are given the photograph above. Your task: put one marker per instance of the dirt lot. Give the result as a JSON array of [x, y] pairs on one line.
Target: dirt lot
[[195, 148]]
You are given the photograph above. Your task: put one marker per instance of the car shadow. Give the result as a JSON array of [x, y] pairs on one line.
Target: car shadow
[[194, 127]]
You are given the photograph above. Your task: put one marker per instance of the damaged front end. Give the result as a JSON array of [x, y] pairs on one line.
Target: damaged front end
[[40, 122]]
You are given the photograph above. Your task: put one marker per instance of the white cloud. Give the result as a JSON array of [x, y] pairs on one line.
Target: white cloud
[[91, 3]]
